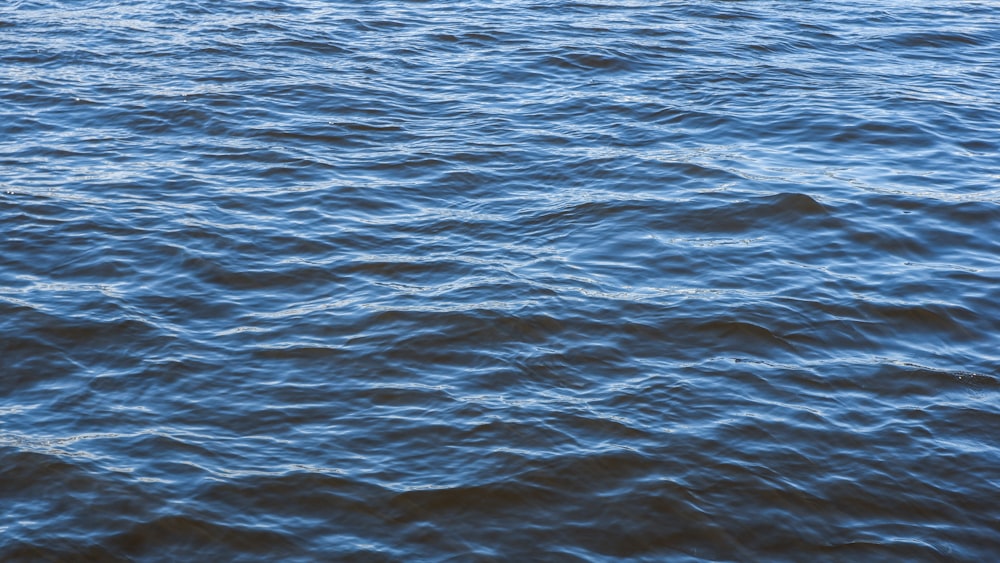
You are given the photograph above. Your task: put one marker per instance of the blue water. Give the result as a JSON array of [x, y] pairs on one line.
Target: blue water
[[469, 281]]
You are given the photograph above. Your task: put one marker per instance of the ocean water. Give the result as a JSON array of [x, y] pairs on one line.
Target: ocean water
[[517, 280]]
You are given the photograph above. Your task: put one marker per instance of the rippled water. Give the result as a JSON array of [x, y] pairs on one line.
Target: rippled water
[[398, 280]]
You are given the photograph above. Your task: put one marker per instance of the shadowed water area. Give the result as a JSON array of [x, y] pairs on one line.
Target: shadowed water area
[[313, 280]]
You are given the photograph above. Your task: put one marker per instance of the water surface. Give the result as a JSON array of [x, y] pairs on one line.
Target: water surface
[[571, 281]]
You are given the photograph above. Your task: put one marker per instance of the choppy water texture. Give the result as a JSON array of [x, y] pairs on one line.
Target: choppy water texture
[[304, 280]]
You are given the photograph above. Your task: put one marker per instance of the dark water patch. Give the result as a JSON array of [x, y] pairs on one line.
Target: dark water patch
[[180, 536], [940, 40]]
